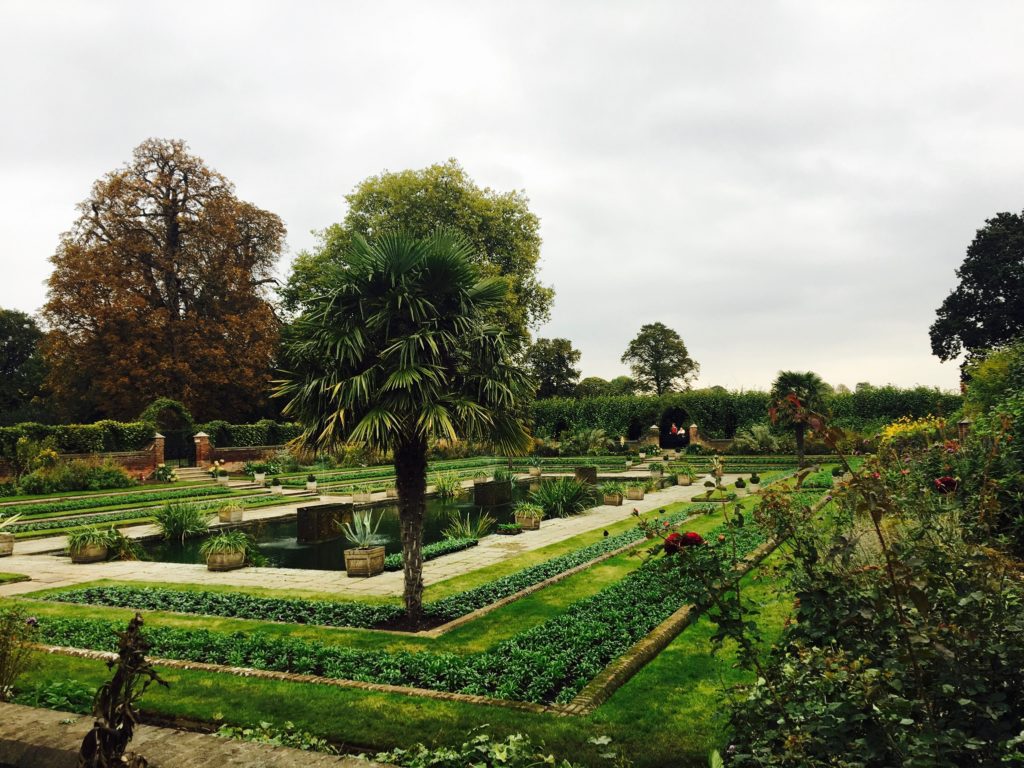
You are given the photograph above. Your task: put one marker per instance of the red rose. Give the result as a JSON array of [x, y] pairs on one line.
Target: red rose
[[677, 542]]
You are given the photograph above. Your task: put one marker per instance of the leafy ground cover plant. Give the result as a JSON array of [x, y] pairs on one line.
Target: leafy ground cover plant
[[432, 551], [63, 695], [285, 735], [120, 499]]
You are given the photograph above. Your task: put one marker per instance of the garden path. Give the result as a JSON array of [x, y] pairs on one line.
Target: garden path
[[53, 570]]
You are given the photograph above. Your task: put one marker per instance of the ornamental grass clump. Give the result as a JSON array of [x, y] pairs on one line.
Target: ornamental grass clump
[[562, 497], [17, 632], [182, 521]]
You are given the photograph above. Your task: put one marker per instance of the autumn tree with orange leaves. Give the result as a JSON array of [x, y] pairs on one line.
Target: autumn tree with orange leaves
[[160, 290]]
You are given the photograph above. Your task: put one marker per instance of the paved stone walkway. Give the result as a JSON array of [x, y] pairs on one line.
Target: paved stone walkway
[[54, 570], [42, 738]]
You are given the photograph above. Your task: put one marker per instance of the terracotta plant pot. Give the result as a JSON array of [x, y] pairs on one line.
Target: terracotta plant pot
[[364, 562], [636, 494], [6, 544], [528, 522], [613, 499], [93, 553], [225, 561], [229, 515]]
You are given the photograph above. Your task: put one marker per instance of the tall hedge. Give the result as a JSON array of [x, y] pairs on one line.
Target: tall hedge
[[264, 432], [103, 436], [720, 414]]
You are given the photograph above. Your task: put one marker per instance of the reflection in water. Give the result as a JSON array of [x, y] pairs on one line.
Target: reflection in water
[[277, 539]]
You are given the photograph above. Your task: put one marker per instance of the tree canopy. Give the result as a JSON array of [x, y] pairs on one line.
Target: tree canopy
[[552, 364], [659, 360], [987, 308], [158, 289], [794, 395], [595, 386], [397, 352], [21, 365], [504, 235]]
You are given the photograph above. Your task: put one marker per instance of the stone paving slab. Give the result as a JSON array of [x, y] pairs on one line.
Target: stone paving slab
[[52, 571], [42, 738]]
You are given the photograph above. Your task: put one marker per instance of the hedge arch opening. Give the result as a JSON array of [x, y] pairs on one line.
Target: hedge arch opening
[[681, 419], [172, 420], [635, 430]]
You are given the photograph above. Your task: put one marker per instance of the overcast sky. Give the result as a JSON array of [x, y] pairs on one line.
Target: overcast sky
[[787, 185]]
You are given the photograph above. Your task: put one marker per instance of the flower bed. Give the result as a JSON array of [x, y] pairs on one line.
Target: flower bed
[[341, 613], [121, 499], [431, 551], [549, 663]]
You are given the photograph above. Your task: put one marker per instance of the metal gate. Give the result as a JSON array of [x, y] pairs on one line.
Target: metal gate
[[179, 448]]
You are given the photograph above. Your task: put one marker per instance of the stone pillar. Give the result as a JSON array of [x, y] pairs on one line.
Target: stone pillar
[[158, 449], [204, 451], [962, 428], [654, 437], [693, 434]]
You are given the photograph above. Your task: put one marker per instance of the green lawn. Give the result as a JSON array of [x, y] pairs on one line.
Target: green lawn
[[11, 578]]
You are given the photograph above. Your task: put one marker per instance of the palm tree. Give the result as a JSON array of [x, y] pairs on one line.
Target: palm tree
[[396, 352], [794, 395]]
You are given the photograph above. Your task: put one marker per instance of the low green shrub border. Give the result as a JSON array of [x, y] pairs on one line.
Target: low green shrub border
[[331, 613], [431, 551], [549, 663], [72, 505]]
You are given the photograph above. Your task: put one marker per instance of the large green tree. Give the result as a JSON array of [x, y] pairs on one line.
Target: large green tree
[[21, 365], [504, 235], [159, 290], [987, 308], [659, 360], [552, 363], [795, 396], [397, 351]]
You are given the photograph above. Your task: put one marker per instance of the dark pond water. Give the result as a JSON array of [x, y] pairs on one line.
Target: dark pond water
[[277, 540]]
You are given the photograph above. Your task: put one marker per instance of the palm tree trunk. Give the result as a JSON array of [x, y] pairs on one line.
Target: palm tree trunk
[[411, 479], [800, 445]]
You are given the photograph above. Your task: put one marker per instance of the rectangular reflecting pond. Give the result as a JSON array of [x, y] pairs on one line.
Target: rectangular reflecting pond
[[277, 540]]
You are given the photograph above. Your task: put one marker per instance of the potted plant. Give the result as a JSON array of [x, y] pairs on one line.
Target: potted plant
[[90, 545], [612, 493], [366, 558], [684, 474], [259, 472], [311, 482], [652, 485], [528, 515], [635, 491], [656, 470], [362, 496], [642, 455], [741, 487], [230, 513], [755, 478], [7, 539], [275, 487], [508, 529], [226, 551], [536, 467]]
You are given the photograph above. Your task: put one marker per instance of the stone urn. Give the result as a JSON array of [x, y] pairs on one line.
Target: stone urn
[[311, 485], [91, 553], [368, 561], [277, 490], [223, 479], [259, 477], [225, 561]]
